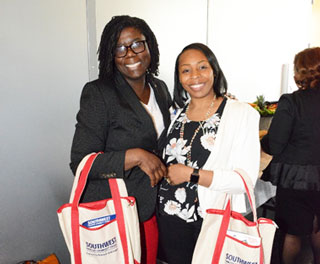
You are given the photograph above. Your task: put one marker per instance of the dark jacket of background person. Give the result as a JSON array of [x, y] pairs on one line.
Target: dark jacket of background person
[[112, 119], [294, 141]]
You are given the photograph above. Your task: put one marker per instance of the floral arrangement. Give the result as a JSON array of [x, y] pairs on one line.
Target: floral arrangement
[[263, 107]]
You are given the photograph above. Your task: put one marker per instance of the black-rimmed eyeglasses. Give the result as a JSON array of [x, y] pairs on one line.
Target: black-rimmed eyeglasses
[[136, 46]]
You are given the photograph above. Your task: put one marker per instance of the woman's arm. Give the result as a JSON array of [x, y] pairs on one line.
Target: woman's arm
[[91, 136], [179, 173], [148, 162], [280, 129], [241, 152], [243, 155]]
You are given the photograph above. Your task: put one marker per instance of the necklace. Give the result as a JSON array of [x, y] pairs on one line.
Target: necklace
[[184, 121]]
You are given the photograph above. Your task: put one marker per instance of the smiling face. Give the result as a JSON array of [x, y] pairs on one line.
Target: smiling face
[[132, 66], [195, 74]]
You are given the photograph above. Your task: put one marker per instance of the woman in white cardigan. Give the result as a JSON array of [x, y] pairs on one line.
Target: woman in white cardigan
[[210, 137]]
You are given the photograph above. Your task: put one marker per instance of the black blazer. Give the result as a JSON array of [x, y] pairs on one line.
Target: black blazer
[[111, 119], [294, 141]]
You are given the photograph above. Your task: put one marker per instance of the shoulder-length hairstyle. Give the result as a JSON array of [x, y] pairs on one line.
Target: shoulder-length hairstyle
[[220, 86], [110, 37], [307, 68]]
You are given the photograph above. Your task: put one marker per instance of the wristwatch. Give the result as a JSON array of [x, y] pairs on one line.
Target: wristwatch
[[194, 176]]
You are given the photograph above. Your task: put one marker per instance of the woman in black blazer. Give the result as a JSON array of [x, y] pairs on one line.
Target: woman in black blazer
[[123, 115], [294, 141]]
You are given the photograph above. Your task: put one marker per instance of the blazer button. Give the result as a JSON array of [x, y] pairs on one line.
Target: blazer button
[[108, 175], [104, 175]]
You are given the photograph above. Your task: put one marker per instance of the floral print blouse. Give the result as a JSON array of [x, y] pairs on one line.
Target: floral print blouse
[[182, 200]]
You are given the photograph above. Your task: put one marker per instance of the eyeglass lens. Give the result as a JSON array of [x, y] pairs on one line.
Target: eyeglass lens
[[136, 47]]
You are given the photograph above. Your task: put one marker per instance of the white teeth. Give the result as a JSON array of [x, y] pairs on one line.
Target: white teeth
[[196, 86], [133, 65]]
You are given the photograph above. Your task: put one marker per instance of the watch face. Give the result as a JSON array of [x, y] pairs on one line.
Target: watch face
[[194, 178]]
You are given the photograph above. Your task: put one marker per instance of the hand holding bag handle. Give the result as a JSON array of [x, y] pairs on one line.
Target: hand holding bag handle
[[82, 175]]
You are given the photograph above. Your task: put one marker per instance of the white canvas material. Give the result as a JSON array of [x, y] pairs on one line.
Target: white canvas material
[[105, 231], [228, 237]]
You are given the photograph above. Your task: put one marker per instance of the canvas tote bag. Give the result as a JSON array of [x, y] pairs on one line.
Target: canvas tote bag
[[227, 237], [105, 231]]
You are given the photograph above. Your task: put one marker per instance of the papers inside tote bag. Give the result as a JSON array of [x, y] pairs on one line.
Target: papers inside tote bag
[[227, 237]]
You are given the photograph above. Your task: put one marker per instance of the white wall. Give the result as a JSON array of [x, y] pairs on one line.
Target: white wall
[[43, 67], [253, 38], [315, 38]]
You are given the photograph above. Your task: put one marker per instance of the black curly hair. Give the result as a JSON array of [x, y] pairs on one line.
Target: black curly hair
[[109, 39], [307, 68], [220, 86]]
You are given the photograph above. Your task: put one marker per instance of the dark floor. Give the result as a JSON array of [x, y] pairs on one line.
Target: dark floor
[[306, 255]]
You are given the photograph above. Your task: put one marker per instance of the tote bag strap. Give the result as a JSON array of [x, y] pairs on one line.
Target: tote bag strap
[[250, 193], [113, 183], [80, 181], [120, 185], [222, 233], [227, 215], [252, 201], [248, 185], [118, 189], [77, 175]]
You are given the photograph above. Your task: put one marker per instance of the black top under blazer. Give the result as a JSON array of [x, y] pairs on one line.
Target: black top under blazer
[[294, 141], [111, 119]]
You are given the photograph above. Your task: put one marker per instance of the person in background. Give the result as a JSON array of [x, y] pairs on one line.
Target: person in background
[[293, 140], [122, 114], [209, 137]]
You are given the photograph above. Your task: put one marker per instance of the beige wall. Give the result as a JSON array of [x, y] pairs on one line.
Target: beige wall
[[315, 39]]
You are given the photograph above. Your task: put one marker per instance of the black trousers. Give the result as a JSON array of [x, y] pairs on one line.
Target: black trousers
[[177, 239]]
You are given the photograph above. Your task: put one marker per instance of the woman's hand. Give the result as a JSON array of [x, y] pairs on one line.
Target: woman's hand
[[178, 173], [148, 162]]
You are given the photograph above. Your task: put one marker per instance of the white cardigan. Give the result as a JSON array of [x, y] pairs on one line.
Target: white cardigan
[[236, 147]]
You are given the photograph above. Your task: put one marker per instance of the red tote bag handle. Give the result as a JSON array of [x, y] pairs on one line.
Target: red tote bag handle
[[226, 220], [120, 217], [74, 207], [222, 233], [75, 211]]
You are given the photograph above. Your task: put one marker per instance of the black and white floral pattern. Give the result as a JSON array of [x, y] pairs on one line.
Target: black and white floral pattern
[[182, 200]]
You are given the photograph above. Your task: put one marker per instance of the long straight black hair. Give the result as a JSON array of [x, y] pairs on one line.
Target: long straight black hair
[[220, 86]]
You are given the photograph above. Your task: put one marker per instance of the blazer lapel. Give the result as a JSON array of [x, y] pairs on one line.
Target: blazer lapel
[[132, 99]]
